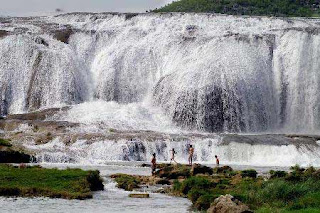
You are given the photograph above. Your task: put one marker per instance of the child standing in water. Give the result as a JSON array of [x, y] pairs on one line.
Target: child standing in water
[[173, 152], [217, 160], [154, 164], [191, 151]]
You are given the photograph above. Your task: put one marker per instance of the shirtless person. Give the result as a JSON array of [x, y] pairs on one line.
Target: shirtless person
[[191, 151], [173, 152], [154, 164]]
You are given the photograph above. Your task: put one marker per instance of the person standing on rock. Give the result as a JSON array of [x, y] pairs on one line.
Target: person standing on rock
[[173, 152], [217, 160], [154, 164], [191, 151]]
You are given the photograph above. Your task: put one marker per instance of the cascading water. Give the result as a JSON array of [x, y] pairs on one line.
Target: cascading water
[[162, 72]]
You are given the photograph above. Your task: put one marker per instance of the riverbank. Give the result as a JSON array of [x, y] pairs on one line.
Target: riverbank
[[212, 189], [27, 181], [111, 199]]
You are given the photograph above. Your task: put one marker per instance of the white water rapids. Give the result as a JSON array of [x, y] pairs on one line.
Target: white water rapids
[[168, 73]]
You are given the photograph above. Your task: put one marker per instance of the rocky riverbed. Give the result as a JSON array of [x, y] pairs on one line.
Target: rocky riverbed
[[222, 189], [52, 138]]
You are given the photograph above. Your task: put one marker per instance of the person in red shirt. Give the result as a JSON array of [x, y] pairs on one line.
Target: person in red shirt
[[154, 163], [217, 160]]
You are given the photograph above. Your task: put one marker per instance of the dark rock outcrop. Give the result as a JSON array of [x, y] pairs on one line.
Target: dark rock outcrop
[[200, 169], [63, 35], [223, 169], [3, 33], [14, 157]]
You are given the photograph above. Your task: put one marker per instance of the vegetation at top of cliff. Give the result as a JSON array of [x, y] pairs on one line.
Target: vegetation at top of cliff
[[36, 181], [301, 8]]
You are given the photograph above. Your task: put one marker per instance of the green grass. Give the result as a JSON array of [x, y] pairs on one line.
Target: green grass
[[4, 142], [302, 8], [126, 182], [36, 181], [297, 191]]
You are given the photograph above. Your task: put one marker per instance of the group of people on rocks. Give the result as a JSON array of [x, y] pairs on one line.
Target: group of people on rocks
[[172, 159]]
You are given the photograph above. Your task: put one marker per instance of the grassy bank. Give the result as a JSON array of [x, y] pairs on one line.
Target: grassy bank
[[54, 183], [280, 191], [297, 191]]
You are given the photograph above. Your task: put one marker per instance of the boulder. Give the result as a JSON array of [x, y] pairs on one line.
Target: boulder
[[173, 171], [249, 173], [12, 156], [139, 195], [200, 169], [3, 33], [163, 181], [228, 204], [63, 35], [223, 169]]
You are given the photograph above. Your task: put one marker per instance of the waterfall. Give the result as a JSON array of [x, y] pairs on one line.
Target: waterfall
[[207, 72], [234, 153]]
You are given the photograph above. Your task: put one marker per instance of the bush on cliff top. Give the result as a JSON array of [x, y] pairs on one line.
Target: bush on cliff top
[[300, 8]]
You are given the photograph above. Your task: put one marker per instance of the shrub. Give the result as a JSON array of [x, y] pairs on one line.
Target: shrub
[[249, 173], [195, 182], [127, 182], [278, 174], [297, 168], [176, 185], [204, 201], [95, 181], [307, 201], [309, 172], [4, 142], [223, 170], [281, 190], [195, 193]]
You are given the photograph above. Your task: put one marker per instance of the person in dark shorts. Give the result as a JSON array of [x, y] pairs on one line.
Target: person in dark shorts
[[153, 164], [217, 160], [191, 152], [173, 152]]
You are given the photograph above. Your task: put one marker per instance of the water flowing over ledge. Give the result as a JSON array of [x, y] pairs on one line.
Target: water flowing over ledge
[[101, 152], [119, 87], [206, 72]]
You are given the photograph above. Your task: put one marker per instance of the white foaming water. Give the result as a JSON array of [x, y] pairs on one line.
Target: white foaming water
[[208, 72], [199, 72], [101, 152], [134, 116]]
